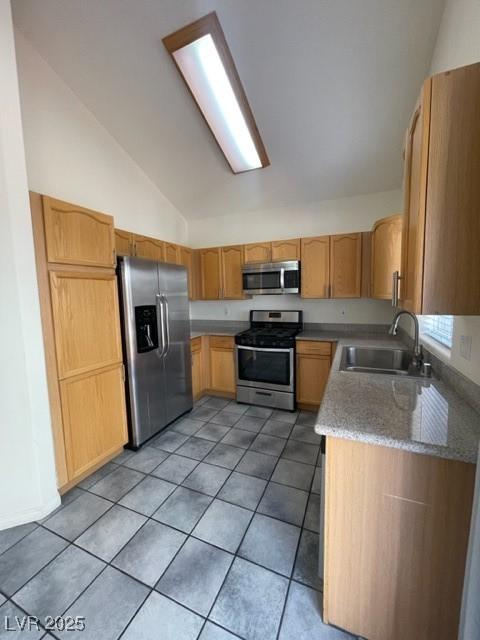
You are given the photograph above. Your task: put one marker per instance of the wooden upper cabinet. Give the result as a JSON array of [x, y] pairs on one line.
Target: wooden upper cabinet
[[258, 252], [94, 415], [211, 276], [416, 163], [86, 320], [186, 259], [315, 269], [124, 245], [172, 253], [78, 236], [451, 282], [149, 248], [231, 263], [285, 250], [386, 255], [346, 265]]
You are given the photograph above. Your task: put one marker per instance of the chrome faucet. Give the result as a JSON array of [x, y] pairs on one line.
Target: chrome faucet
[[417, 349]]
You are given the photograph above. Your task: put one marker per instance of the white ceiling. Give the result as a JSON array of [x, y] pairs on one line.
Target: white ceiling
[[331, 84]]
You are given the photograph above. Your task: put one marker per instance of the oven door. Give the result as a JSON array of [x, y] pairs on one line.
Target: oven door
[[265, 368]]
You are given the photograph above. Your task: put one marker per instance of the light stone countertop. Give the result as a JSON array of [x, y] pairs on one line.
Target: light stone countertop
[[414, 414], [213, 332]]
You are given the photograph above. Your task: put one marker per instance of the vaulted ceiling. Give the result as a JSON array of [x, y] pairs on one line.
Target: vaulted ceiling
[[331, 83]]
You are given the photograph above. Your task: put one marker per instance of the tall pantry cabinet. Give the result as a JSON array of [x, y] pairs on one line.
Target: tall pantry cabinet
[[75, 256]]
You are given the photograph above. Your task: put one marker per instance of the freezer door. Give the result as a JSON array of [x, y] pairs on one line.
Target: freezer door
[[177, 358], [144, 345]]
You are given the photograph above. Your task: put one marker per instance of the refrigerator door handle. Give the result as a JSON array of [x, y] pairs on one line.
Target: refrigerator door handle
[[160, 322], [166, 319]]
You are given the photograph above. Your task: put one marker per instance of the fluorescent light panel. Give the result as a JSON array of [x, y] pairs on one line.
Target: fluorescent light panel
[[216, 90]]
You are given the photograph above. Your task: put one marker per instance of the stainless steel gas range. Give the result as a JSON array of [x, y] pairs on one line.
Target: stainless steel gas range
[[265, 355]]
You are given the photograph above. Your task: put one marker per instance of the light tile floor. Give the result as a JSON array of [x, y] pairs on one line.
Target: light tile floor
[[210, 531]]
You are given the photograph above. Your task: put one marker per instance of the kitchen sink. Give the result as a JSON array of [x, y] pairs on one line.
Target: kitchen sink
[[397, 362]]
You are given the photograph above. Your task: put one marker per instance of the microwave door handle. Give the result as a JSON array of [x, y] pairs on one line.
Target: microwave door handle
[[160, 322], [282, 278]]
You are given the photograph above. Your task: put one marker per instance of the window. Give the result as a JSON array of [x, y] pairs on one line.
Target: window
[[203, 58], [440, 328]]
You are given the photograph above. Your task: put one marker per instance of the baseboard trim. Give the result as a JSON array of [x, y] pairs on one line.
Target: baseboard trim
[[29, 515]]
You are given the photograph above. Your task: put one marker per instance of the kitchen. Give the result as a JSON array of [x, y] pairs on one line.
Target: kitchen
[[284, 466]]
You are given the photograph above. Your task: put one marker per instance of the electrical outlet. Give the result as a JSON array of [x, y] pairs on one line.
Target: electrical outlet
[[466, 347]]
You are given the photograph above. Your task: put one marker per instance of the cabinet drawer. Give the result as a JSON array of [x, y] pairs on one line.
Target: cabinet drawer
[[312, 346], [196, 344], [222, 342]]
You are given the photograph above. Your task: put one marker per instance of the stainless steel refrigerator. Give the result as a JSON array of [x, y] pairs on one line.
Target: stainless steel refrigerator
[[156, 342]]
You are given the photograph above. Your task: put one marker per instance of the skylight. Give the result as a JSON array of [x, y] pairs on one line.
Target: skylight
[[204, 60]]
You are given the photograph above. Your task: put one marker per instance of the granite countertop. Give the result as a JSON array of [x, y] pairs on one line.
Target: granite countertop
[[216, 328], [415, 414]]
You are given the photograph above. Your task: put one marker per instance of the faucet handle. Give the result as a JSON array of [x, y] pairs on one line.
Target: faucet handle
[[426, 370]]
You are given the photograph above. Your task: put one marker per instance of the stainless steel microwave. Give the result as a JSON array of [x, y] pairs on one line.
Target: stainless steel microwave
[[271, 278]]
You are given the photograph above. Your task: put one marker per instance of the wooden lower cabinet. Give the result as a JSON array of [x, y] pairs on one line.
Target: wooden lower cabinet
[[396, 535], [313, 360], [198, 385], [94, 417], [222, 364]]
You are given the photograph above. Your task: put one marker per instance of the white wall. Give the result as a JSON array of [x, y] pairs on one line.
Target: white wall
[[326, 217], [72, 157], [458, 44], [27, 469]]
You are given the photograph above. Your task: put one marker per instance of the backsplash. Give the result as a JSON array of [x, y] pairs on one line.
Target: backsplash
[[348, 311]]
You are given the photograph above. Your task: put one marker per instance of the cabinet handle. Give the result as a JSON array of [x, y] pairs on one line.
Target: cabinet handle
[[396, 277]]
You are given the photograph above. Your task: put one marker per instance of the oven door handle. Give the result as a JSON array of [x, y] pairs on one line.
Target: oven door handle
[[270, 350]]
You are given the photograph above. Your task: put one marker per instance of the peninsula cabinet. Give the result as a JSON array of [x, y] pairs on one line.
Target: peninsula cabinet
[[386, 247], [396, 535], [313, 360], [441, 234], [75, 259]]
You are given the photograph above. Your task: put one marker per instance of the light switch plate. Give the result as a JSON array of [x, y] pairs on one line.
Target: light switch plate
[[466, 347]]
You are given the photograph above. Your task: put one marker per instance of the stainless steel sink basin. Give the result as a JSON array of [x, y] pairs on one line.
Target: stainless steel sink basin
[[397, 362]]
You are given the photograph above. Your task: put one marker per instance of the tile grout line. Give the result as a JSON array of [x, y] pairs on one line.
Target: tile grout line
[[188, 535]]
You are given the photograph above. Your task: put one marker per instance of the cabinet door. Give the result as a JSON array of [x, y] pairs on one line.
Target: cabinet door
[[312, 375], [149, 248], [232, 261], [197, 368], [386, 255], [451, 282], [210, 273], [222, 364], [86, 320], [346, 265], [315, 269], [222, 370], [124, 243], [75, 235], [285, 250], [390, 517], [94, 417], [186, 259], [258, 252], [172, 253], [413, 240]]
